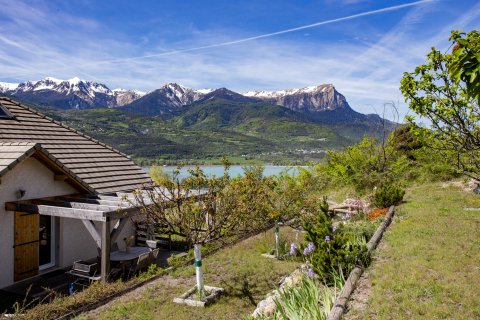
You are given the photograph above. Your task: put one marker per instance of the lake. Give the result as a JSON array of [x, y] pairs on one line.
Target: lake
[[234, 171]]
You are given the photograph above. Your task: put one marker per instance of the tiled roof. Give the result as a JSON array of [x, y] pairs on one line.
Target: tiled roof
[[12, 153], [98, 167]]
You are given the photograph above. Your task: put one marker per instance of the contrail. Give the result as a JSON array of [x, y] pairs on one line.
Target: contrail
[[268, 35], [262, 36]]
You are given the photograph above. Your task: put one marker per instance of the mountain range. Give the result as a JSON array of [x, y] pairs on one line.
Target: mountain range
[[70, 94], [170, 99], [175, 122]]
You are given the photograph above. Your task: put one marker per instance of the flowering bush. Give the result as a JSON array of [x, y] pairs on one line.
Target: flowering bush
[[330, 247], [293, 249], [375, 213]]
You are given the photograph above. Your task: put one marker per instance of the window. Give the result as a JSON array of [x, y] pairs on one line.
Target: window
[[4, 113]]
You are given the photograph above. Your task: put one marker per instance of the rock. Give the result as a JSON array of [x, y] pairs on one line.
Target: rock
[[270, 309], [267, 306]]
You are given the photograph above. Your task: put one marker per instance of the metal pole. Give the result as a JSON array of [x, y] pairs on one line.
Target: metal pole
[[197, 250], [277, 240]]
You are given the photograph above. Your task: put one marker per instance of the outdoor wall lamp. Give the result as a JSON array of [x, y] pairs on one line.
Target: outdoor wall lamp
[[20, 193]]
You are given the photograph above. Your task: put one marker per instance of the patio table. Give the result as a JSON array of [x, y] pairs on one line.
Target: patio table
[[134, 253]]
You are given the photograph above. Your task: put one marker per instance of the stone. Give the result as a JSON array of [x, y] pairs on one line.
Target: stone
[[189, 297]]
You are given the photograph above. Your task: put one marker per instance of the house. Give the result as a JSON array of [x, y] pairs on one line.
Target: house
[[63, 195]]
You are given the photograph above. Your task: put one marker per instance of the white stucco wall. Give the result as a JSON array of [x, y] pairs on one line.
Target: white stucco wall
[[74, 243], [78, 244], [38, 181]]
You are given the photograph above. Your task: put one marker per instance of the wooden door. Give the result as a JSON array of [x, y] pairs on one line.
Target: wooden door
[[26, 245]]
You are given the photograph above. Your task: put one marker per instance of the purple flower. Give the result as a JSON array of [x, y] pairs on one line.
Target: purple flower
[[327, 238], [310, 273], [310, 247], [293, 248], [346, 216], [334, 228]]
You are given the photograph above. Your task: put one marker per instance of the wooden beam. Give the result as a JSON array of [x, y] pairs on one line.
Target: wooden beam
[[56, 211], [76, 205], [102, 197], [105, 256], [93, 201], [90, 226], [60, 177], [118, 229], [124, 213]]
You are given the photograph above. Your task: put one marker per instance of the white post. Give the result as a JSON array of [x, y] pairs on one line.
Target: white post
[[197, 250], [277, 241]]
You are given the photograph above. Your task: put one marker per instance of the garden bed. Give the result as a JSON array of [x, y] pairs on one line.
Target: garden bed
[[240, 269]]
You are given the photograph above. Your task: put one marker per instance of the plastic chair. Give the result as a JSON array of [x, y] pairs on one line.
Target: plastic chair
[[154, 255], [141, 263], [114, 247]]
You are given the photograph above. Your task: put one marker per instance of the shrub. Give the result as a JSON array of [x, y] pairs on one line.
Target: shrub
[[364, 229], [333, 248], [388, 195], [178, 260]]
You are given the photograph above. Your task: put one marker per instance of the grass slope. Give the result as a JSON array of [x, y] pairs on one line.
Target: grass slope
[[429, 265], [245, 275]]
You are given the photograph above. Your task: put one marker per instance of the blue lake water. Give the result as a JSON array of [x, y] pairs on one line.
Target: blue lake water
[[234, 171]]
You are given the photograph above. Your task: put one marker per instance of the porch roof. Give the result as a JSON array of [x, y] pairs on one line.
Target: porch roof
[[89, 208], [84, 207]]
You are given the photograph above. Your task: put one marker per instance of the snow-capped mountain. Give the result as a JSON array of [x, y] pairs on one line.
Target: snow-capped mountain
[[69, 94], [170, 98], [5, 86], [306, 100]]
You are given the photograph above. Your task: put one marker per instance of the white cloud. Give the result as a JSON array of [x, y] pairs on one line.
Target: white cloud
[[33, 46]]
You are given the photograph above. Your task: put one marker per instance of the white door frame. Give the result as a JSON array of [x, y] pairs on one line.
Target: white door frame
[[52, 246]]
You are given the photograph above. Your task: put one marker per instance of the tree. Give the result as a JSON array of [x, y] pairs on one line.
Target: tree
[[191, 208], [206, 209], [465, 65], [444, 91]]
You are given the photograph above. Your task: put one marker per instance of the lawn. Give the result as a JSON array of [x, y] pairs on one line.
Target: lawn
[[428, 266], [246, 276]]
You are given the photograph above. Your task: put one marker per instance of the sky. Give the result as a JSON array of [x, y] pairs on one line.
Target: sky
[[362, 47]]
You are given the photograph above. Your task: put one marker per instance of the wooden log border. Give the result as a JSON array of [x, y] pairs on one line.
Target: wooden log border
[[340, 304]]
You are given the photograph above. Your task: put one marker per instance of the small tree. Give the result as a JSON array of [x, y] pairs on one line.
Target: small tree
[[206, 209], [195, 208], [445, 90]]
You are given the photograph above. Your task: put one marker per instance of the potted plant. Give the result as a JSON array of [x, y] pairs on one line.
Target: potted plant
[[128, 243]]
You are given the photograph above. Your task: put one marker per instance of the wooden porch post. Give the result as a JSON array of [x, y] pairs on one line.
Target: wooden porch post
[[105, 259]]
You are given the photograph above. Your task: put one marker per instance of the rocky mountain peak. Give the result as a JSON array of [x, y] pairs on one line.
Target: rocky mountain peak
[[224, 93], [125, 96], [308, 99], [170, 98]]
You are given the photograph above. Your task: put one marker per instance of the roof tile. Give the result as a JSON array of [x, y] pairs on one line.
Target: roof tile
[[80, 155]]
